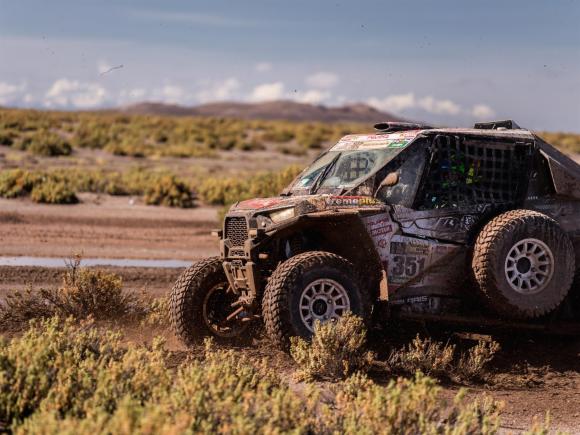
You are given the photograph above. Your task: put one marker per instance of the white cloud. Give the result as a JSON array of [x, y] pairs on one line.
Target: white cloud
[[403, 102], [263, 67], [10, 94], [172, 94], [322, 80], [415, 106], [439, 107], [482, 111], [73, 93], [394, 103], [219, 91], [313, 96], [268, 92]]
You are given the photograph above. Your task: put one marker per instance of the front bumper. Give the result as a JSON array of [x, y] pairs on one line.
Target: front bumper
[[239, 252]]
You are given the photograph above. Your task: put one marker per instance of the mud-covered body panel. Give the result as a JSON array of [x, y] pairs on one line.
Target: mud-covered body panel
[[422, 245]]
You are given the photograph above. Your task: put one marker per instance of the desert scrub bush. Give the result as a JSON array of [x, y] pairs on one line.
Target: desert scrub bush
[[72, 370], [15, 182], [52, 191], [168, 190], [7, 137], [566, 141], [441, 360], [84, 293], [424, 355], [337, 350], [224, 191], [61, 377], [44, 142], [76, 378], [59, 186], [472, 364], [158, 314], [49, 144], [407, 406]]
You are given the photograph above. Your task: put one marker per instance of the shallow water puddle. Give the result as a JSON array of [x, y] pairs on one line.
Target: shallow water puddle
[[119, 262]]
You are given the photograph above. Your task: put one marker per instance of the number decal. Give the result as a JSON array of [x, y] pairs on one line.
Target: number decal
[[411, 266], [407, 265], [399, 268]]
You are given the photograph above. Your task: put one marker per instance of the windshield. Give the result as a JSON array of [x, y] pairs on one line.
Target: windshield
[[344, 169]]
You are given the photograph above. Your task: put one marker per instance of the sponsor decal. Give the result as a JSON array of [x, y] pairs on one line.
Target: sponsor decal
[[352, 201], [398, 144], [381, 228], [374, 141]]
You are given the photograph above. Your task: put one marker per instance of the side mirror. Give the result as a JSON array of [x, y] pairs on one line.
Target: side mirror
[[390, 180]]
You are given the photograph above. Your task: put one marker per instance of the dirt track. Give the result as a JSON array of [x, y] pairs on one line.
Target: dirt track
[[534, 375], [110, 227]]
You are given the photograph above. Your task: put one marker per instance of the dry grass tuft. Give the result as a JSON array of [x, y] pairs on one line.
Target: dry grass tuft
[[472, 364], [337, 350], [425, 355], [84, 293], [441, 360], [65, 377]]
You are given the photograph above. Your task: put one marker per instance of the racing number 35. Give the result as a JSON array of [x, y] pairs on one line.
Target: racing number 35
[[407, 265]]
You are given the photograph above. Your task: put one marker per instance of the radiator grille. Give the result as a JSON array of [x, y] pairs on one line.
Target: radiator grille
[[236, 230]]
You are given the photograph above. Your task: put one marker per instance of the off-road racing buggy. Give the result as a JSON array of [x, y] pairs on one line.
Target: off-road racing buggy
[[423, 221]]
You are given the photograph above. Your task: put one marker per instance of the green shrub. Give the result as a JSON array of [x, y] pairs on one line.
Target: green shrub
[[224, 191], [569, 142], [7, 137], [158, 314], [472, 364], [15, 182], [49, 144], [67, 370], [59, 186], [278, 134], [408, 406], [84, 293], [64, 378], [51, 191], [440, 360], [145, 136], [424, 355], [169, 191], [337, 350]]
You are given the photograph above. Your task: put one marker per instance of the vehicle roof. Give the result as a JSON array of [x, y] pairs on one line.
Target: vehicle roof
[[400, 139], [508, 133]]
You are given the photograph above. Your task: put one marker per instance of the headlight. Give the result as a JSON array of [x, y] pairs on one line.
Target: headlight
[[282, 215]]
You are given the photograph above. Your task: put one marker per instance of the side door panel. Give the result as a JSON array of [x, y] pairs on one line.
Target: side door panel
[[414, 266]]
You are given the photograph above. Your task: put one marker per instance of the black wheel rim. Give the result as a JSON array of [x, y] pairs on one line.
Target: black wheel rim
[[218, 313]]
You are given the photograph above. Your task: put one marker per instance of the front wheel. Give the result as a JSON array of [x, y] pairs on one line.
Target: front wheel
[[310, 287], [201, 304]]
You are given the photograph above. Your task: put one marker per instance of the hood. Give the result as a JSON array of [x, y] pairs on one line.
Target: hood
[[307, 203], [265, 203]]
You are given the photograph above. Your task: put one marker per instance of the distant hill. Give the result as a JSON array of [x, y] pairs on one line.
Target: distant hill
[[287, 110]]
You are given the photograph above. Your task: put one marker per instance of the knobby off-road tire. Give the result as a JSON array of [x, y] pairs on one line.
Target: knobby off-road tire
[[311, 273], [188, 297], [514, 286]]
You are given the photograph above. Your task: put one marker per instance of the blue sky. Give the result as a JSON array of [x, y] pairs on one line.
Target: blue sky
[[440, 61]]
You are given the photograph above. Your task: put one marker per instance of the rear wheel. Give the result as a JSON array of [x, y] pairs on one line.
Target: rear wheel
[[523, 263], [201, 304], [310, 287]]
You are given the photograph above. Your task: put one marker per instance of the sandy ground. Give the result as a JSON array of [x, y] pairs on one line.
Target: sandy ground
[[105, 226], [532, 375]]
